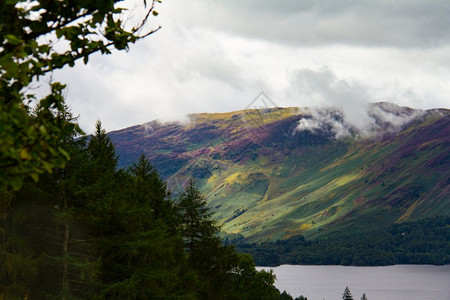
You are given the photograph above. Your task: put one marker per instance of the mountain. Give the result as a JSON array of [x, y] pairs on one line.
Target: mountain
[[274, 173]]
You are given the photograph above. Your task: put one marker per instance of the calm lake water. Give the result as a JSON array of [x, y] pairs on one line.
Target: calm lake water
[[401, 282]]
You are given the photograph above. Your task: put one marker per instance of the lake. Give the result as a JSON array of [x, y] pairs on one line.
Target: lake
[[400, 282]]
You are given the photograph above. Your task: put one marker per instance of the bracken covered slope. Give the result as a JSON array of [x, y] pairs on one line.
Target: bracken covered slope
[[269, 176]]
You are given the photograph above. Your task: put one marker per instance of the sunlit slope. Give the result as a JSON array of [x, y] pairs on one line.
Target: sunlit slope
[[266, 180]]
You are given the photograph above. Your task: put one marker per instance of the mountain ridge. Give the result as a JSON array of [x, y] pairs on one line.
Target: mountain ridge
[[267, 176]]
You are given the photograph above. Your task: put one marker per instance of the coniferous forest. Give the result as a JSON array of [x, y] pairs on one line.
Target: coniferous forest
[[93, 231], [425, 241]]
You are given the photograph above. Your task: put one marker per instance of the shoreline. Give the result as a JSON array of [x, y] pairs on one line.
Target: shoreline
[[351, 266]]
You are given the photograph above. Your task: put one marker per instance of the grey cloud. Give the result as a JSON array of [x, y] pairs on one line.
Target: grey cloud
[[211, 67], [198, 55], [401, 23]]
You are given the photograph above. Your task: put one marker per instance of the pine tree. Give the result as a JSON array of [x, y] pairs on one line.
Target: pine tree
[[223, 273], [101, 181], [142, 255], [18, 267], [197, 226], [42, 228], [285, 296], [148, 186], [364, 297], [347, 294], [79, 262], [102, 154]]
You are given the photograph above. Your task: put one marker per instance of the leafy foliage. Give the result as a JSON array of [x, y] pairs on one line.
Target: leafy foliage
[[30, 32], [29, 138]]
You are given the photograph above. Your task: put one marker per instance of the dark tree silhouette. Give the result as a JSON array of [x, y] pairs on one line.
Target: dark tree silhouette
[[347, 294]]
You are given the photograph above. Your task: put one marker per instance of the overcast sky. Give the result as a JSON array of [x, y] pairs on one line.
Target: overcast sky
[[218, 55]]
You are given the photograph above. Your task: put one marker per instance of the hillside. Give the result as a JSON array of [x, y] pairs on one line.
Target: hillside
[[275, 173]]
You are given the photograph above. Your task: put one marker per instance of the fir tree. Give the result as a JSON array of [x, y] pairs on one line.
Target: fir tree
[[18, 267], [223, 273], [102, 152], [148, 186], [44, 219], [285, 296], [347, 294], [197, 225], [364, 297], [142, 255]]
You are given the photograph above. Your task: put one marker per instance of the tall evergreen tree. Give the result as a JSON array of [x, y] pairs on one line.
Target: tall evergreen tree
[[223, 273], [197, 225], [148, 186], [285, 296], [42, 218], [18, 267], [78, 259], [102, 181], [103, 157], [347, 294], [142, 254]]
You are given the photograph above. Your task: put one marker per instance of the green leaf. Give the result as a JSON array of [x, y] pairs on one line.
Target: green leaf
[[13, 40], [155, 13], [59, 33], [35, 176], [16, 184], [64, 152], [47, 166], [24, 155]]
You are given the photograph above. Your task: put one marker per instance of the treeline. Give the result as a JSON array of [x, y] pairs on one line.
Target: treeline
[[422, 242], [93, 231]]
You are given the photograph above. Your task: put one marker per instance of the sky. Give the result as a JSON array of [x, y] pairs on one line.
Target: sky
[[218, 55]]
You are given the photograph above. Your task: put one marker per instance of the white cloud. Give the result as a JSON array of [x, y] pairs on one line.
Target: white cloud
[[326, 119], [326, 89], [344, 107]]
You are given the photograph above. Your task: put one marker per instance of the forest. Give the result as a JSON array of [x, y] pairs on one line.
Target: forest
[[93, 231], [424, 241]]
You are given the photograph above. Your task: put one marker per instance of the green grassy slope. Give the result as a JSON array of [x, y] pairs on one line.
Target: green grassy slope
[[266, 181]]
